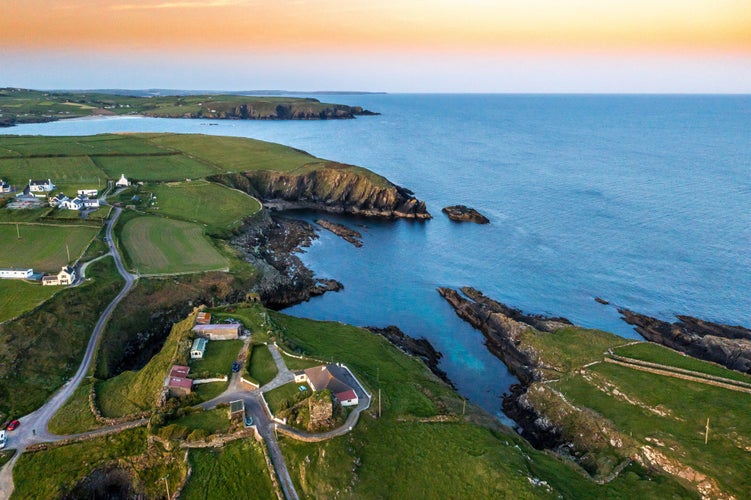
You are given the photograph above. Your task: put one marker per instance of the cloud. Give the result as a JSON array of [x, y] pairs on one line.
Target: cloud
[[178, 5]]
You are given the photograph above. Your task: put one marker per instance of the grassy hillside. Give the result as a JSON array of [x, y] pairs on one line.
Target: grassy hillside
[[441, 452], [42, 349], [17, 297], [137, 391]]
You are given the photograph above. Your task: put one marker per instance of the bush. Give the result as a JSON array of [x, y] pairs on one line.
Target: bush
[[198, 435], [173, 432]]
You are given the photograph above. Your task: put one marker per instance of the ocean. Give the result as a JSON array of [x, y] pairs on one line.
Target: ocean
[[644, 201]]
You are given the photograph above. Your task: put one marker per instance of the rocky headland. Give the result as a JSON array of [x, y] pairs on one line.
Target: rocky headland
[[345, 233], [328, 187], [727, 345], [421, 348], [271, 245], [463, 213]]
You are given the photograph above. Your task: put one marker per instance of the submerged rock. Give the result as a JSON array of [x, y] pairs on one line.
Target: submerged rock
[[462, 213]]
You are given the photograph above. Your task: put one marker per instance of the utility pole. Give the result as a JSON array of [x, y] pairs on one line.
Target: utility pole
[[379, 402], [706, 432]]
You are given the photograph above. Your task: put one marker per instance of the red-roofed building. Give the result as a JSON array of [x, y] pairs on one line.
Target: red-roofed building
[[179, 371], [347, 398], [203, 318], [329, 377], [179, 386]]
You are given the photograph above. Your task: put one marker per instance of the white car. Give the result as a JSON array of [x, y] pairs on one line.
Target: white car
[[2, 440]]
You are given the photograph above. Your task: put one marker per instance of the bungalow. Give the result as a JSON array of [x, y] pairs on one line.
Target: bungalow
[[122, 181], [218, 332], [89, 202], [59, 198], [36, 186], [74, 204], [15, 273], [66, 276], [5, 187], [198, 349], [329, 377], [90, 193]]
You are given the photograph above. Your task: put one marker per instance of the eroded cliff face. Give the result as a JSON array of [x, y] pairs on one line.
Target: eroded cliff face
[[331, 187], [727, 345]]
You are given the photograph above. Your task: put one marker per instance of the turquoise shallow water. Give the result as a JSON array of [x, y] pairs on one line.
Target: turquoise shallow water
[[642, 200]]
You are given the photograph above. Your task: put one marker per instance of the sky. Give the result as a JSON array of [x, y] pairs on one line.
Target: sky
[[645, 46]]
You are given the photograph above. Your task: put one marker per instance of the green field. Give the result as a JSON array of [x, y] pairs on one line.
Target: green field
[[163, 167], [217, 360], [261, 366], [156, 245], [43, 247], [75, 415], [237, 470], [285, 396], [17, 297], [205, 202], [214, 421], [41, 351]]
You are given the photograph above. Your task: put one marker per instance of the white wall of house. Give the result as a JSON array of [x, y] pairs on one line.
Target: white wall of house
[[10, 273]]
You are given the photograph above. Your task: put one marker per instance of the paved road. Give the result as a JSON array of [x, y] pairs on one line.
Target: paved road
[[33, 428]]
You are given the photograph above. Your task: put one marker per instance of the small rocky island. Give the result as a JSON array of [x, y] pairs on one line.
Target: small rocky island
[[345, 233], [463, 213]]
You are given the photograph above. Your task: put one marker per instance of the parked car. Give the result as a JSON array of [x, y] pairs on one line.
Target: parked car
[[235, 366], [2, 440], [13, 424]]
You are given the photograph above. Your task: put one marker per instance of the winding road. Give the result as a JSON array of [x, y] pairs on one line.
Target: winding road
[[33, 428]]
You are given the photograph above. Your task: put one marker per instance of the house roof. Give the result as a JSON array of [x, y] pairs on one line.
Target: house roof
[[203, 318], [209, 328], [199, 344], [323, 377], [49, 278], [184, 383], [235, 406], [346, 395], [179, 371]]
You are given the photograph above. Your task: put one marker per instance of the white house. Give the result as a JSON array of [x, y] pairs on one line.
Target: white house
[[66, 276], [329, 377], [122, 181], [91, 193], [5, 187], [198, 349], [36, 186], [74, 204], [57, 199], [14, 273]]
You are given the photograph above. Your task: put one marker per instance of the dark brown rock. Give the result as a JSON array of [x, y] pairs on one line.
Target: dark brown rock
[[342, 231], [462, 213], [414, 347]]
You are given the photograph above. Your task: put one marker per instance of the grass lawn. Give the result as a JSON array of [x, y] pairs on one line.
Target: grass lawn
[[132, 392], [75, 415], [237, 470], [261, 366], [18, 296], [285, 396], [205, 202], [211, 390], [53, 473], [68, 174], [214, 421], [217, 360], [253, 316], [42, 247], [156, 245], [6, 455], [299, 364], [41, 351], [163, 167], [655, 353]]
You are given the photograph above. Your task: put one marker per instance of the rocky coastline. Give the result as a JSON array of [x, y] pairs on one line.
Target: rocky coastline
[[502, 327], [463, 213], [421, 348], [345, 233], [727, 345], [271, 245]]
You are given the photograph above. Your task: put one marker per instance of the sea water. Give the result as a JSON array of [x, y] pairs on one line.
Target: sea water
[[642, 200]]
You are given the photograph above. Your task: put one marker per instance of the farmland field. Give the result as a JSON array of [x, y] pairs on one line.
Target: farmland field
[[167, 166], [204, 202], [157, 245], [17, 297], [42, 247]]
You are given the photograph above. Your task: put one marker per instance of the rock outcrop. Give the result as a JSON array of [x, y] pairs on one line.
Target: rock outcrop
[[421, 348], [301, 109], [463, 213], [727, 345], [330, 187], [345, 233]]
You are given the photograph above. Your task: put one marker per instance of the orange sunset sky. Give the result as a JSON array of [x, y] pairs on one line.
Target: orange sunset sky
[[410, 45]]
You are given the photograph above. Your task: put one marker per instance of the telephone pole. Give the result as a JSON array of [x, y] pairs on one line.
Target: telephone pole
[[706, 432]]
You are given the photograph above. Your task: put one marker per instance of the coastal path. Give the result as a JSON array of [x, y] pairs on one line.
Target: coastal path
[[33, 428]]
